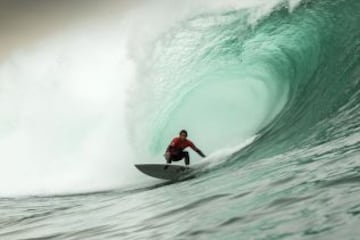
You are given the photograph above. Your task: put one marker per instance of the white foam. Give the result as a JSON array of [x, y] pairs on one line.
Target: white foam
[[62, 107]]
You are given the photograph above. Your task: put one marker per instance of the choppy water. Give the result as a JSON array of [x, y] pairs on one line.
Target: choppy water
[[270, 92]]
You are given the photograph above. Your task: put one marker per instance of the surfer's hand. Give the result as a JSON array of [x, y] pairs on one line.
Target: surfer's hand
[[200, 153]]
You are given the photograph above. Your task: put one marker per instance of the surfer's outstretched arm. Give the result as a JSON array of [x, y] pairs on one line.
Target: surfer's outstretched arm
[[198, 151]]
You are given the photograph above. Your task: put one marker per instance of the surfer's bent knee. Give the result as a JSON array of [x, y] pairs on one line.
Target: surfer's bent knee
[[167, 156]]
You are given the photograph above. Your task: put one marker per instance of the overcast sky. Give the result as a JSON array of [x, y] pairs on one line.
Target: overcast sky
[[23, 22]]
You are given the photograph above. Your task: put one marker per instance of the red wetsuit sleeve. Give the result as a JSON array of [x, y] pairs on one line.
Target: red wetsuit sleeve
[[192, 145], [173, 145], [174, 142]]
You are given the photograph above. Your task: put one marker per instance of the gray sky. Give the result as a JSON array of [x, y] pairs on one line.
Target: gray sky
[[23, 22]]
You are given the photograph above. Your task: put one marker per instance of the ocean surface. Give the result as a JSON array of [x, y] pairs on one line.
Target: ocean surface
[[269, 90]]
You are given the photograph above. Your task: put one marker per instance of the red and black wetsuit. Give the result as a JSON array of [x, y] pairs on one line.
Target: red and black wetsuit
[[176, 150]]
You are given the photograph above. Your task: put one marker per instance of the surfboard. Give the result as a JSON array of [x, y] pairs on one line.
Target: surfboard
[[164, 171]]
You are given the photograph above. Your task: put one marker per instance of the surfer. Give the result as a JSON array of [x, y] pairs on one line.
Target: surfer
[[175, 151]]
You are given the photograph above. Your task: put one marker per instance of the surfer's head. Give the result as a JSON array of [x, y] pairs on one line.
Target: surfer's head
[[183, 134]]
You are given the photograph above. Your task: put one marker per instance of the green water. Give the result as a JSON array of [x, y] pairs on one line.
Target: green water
[[291, 79]]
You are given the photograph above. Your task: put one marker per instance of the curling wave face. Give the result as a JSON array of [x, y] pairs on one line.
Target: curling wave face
[[288, 74]]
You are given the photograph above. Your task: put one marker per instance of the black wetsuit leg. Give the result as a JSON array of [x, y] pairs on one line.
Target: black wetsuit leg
[[187, 158], [180, 156]]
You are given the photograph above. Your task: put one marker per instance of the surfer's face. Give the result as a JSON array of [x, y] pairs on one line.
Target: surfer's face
[[183, 136]]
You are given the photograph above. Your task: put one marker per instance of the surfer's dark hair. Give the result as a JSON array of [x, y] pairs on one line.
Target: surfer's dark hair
[[183, 132]]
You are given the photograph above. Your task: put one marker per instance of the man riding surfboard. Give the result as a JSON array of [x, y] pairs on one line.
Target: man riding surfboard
[[175, 150]]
